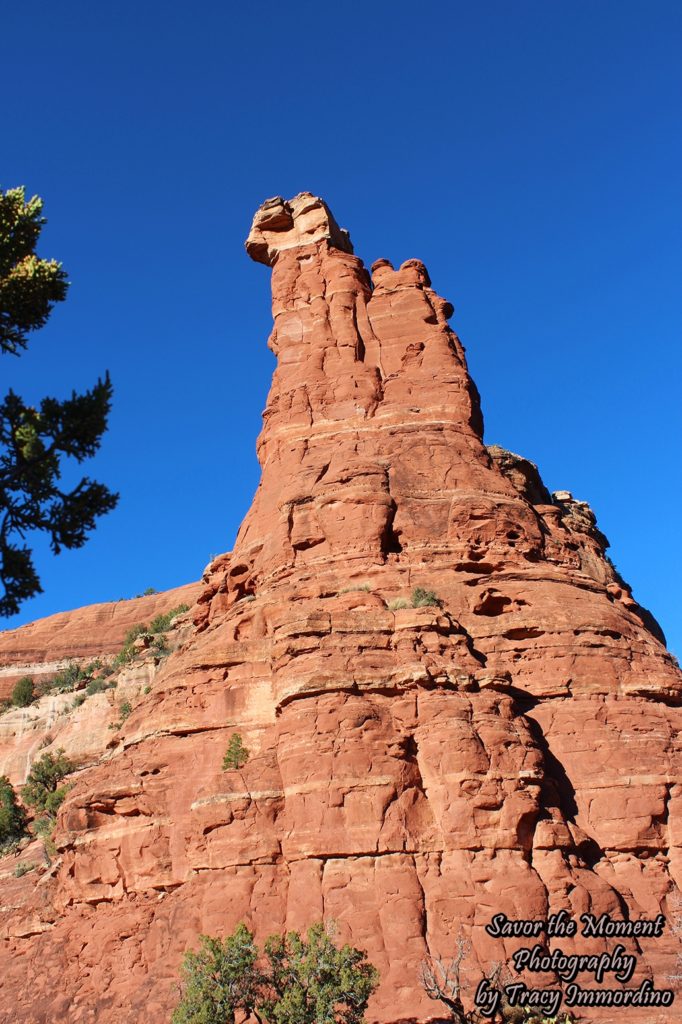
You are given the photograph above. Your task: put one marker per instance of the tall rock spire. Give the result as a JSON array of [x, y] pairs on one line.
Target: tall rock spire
[[454, 706]]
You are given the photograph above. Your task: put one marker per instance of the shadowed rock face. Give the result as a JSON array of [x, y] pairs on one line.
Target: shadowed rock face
[[514, 749]]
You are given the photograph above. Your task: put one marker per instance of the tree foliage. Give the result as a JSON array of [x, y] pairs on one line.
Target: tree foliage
[[295, 980], [12, 817], [35, 441], [24, 692], [29, 286], [236, 754], [218, 980], [42, 790], [314, 982]]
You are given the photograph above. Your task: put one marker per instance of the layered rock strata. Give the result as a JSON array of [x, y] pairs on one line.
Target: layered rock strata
[[42, 648], [413, 770], [66, 720]]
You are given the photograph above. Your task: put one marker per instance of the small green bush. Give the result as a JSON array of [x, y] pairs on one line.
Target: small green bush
[[24, 692], [44, 827], [96, 686], [158, 625], [236, 754], [127, 652], [397, 604], [125, 709], [162, 622], [23, 868], [12, 816], [67, 678], [160, 644], [78, 700], [424, 598]]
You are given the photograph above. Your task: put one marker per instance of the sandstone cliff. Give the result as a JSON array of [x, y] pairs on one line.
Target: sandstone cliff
[[43, 648], [413, 771]]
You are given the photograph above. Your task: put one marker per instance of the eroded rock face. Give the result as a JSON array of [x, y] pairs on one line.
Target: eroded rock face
[[514, 748]]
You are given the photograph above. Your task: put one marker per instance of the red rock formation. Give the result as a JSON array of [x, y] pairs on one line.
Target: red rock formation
[[41, 648], [60, 720], [413, 771]]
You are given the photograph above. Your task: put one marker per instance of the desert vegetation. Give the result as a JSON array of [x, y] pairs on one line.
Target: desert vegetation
[[294, 980], [90, 678], [24, 692], [12, 816], [441, 979], [236, 754], [43, 793], [153, 633], [420, 598]]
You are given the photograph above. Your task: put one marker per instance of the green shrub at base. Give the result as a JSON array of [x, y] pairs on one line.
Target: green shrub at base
[[313, 981], [295, 980], [218, 980]]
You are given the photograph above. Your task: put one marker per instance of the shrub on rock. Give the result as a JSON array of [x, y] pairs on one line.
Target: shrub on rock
[[12, 817], [24, 692]]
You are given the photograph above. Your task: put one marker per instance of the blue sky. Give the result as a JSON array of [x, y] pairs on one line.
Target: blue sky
[[529, 153]]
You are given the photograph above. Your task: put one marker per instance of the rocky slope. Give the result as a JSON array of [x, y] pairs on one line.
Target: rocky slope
[[41, 648], [44, 648], [413, 770]]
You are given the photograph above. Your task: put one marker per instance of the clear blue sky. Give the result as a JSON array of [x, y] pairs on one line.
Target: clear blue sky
[[528, 152]]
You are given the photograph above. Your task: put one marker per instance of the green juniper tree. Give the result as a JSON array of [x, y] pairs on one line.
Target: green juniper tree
[[12, 817], [314, 982], [236, 754], [219, 980], [296, 980], [42, 790], [35, 441], [24, 692]]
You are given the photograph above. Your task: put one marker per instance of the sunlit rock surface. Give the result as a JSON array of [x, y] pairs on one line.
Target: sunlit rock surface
[[413, 771]]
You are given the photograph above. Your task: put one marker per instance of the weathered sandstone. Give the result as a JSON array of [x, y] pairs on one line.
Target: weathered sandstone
[[413, 771]]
